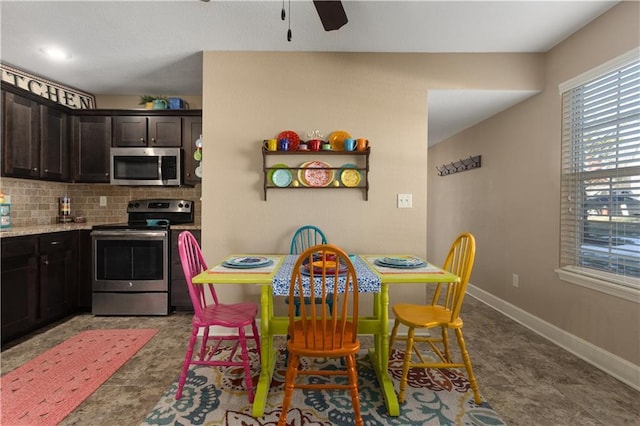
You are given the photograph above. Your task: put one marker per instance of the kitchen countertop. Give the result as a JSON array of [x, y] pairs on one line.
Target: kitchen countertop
[[17, 231]]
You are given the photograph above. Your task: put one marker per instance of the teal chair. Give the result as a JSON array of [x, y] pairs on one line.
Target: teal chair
[[308, 236]]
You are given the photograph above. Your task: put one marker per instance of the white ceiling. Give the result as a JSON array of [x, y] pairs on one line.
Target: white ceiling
[[140, 47]]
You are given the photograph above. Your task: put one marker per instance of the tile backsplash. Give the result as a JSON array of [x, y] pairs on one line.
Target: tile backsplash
[[35, 202]]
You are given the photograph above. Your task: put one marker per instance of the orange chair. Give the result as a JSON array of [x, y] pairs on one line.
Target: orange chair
[[319, 332], [209, 312], [443, 313]]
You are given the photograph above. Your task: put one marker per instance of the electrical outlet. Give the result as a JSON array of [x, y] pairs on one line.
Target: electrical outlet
[[405, 201], [515, 280], [103, 201]]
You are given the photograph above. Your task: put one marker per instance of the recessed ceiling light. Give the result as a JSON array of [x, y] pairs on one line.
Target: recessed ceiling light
[[55, 53]]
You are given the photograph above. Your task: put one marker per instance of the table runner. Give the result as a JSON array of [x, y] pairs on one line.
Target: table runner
[[368, 281]]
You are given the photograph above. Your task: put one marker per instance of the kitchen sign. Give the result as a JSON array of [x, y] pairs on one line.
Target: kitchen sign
[[55, 92]]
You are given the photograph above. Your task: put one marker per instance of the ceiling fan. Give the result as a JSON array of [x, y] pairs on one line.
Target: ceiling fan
[[330, 12]]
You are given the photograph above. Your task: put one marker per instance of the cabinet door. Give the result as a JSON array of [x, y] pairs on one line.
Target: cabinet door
[[130, 131], [19, 283], [165, 131], [191, 130], [58, 275], [20, 136], [54, 144], [91, 143], [180, 299]]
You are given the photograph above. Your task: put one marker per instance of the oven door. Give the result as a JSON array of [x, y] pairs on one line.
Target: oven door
[[130, 260]]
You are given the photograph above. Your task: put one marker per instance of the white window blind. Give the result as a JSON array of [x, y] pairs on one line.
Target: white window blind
[[600, 220]]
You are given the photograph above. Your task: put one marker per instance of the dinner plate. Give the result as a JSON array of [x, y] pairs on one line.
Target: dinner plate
[[273, 170], [336, 139], [281, 177], [247, 262], [350, 177], [317, 174], [379, 262], [306, 270], [294, 139], [402, 260]]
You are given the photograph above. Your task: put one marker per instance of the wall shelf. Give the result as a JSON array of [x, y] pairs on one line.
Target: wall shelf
[[294, 161]]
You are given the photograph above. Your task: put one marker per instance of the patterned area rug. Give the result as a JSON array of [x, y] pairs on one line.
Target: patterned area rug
[[47, 388], [216, 396]]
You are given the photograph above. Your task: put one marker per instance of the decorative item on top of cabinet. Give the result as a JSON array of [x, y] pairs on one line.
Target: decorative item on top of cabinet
[[152, 131], [312, 170]]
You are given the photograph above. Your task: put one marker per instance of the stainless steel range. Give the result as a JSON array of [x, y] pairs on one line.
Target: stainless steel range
[[131, 261]]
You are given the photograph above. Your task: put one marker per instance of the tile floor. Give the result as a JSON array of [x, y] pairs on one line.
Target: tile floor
[[527, 380]]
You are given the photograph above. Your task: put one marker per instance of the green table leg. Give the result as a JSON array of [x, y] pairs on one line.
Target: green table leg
[[386, 384], [268, 359]]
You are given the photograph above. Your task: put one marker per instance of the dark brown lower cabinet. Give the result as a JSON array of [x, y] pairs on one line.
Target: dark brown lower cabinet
[[180, 299], [58, 275], [39, 281], [19, 283]]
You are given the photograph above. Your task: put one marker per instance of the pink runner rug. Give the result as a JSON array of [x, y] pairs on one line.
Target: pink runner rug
[[47, 388]]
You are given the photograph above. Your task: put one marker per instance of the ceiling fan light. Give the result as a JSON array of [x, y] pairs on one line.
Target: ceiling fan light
[[56, 53]]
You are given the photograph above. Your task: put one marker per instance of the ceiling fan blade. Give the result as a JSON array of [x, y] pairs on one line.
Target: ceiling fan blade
[[331, 13]]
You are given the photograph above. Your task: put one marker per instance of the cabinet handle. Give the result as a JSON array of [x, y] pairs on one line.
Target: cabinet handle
[[46, 262], [141, 139], [55, 243], [35, 169], [153, 140]]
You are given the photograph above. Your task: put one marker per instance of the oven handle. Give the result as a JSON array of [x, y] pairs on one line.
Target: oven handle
[[129, 233]]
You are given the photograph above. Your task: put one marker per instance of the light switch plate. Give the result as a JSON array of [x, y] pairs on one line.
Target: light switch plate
[[405, 201], [103, 201]]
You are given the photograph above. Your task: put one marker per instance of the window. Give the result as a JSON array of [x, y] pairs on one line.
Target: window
[[600, 220]]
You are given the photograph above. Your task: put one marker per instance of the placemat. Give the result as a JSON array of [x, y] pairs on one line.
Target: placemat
[[221, 269], [428, 268]]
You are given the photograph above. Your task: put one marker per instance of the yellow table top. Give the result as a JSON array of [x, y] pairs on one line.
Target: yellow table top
[[265, 275]]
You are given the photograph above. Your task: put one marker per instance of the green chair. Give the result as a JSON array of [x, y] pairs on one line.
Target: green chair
[[305, 237]]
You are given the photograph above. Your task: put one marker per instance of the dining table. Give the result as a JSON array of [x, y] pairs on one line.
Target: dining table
[[273, 279]]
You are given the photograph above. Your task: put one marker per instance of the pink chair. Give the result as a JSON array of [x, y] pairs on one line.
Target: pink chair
[[208, 312]]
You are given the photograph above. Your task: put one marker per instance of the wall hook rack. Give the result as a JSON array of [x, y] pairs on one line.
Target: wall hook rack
[[459, 166]]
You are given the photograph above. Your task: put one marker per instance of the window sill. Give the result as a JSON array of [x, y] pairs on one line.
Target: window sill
[[628, 289]]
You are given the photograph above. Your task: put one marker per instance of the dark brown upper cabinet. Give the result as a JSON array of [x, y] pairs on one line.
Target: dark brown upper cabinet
[[91, 144], [152, 131], [35, 139], [191, 130]]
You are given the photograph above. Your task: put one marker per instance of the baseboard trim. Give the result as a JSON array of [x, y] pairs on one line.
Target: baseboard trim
[[611, 364]]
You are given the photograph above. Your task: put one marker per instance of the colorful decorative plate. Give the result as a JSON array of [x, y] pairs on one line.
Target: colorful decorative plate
[[294, 139], [336, 139], [317, 174], [273, 170], [281, 177], [350, 175]]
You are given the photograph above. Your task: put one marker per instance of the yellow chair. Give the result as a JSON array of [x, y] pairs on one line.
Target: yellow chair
[[443, 312], [319, 332]]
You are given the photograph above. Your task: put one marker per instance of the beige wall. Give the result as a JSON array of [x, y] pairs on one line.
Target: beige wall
[[512, 204], [251, 96]]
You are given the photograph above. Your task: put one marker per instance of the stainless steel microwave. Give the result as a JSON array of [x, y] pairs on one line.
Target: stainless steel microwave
[[146, 166]]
